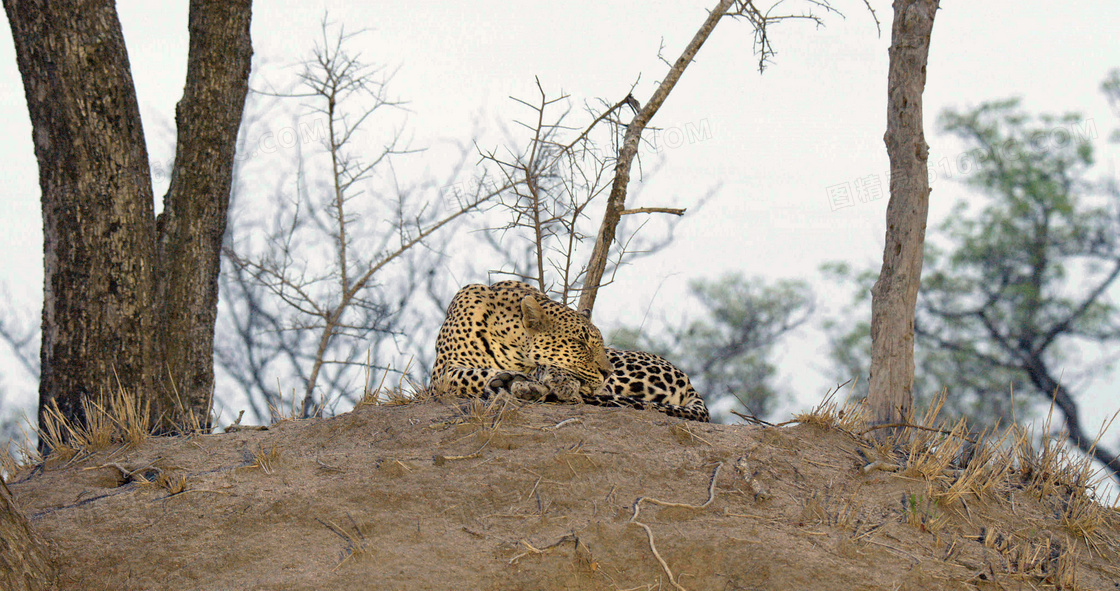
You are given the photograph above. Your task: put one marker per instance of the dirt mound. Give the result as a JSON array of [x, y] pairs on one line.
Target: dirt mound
[[448, 496]]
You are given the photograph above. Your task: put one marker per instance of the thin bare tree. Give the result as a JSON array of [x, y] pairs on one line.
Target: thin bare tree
[[322, 266], [890, 391], [554, 184]]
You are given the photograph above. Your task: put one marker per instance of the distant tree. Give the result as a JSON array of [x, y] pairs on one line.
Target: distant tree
[[129, 301], [974, 390], [1020, 282], [22, 338], [894, 294], [727, 347]]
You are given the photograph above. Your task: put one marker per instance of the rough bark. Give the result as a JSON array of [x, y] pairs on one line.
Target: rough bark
[[895, 294], [122, 306], [24, 563], [98, 225], [194, 210], [616, 203]]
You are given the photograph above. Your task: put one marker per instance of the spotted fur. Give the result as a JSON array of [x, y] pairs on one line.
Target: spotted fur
[[494, 336], [511, 339], [639, 380]]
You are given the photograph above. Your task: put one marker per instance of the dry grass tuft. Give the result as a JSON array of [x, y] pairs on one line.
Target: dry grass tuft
[[827, 508], [18, 454], [957, 466], [356, 543], [1042, 560], [1057, 475], [266, 461], [153, 477], [173, 484], [123, 418], [920, 511], [188, 420], [9, 464], [830, 414], [987, 465], [930, 449], [489, 414], [406, 391], [293, 411]]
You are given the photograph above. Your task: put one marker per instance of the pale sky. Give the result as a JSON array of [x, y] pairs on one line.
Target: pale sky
[[775, 143]]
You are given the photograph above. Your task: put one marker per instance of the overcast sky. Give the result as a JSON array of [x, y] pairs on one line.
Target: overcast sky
[[777, 144]]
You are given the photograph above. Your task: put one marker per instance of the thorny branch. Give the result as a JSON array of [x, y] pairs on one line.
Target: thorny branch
[[737, 9], [552, 185]]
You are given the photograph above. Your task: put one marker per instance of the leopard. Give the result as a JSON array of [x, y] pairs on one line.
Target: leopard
[[494, 336], [509, 339], [640, 380]]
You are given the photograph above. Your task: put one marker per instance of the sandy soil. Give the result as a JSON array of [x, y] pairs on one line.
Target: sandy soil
[[442, 495]]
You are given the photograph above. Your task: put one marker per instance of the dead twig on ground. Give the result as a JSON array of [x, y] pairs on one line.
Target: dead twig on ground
[[529, 549], [570, 421]]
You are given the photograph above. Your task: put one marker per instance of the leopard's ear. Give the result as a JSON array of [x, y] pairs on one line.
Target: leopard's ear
[[532, 315], [586, 313]]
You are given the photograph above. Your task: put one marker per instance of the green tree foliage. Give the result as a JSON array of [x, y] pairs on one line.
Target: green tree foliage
[[1016, 285], [726, 349], [983, 394]]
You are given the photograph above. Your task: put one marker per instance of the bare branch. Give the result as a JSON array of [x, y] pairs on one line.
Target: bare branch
[[616, 201], [669, 210], [23, 341], [311, 299]]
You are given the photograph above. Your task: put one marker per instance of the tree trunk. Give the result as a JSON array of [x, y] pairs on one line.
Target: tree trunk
[[194, 209], [24, 565], [895, 294], [98, 225], [123, 306]]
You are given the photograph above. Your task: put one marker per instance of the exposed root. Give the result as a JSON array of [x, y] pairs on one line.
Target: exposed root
[[649, 532]]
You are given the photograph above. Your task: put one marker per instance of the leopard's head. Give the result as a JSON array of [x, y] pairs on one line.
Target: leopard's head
[[565, 339]]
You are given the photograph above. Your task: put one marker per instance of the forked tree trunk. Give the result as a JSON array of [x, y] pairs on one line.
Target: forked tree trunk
[[890, 395], [98, 225], [115, 299], [24, 564], [194, 210]]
